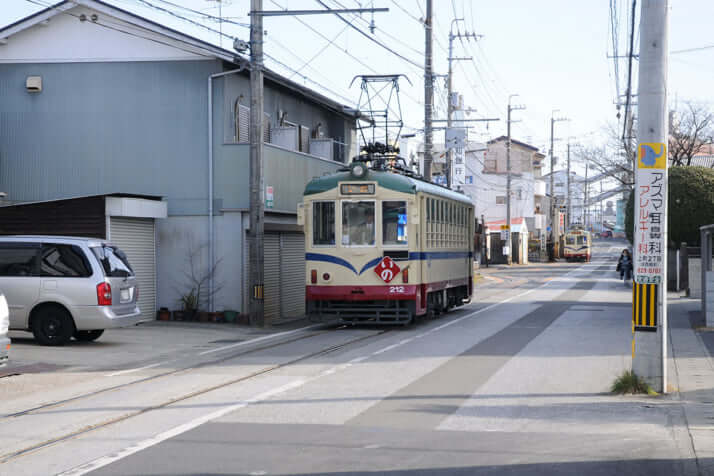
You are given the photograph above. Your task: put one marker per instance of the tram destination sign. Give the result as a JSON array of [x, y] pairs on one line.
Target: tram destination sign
[[357, 189], [650, 209]]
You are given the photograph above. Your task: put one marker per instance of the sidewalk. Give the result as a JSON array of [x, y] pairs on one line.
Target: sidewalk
[[694, 375]]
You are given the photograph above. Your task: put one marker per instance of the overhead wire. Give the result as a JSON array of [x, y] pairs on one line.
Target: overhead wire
[[374, 40]]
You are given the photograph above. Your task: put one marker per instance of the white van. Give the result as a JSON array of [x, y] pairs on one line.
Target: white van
[[64, 287]]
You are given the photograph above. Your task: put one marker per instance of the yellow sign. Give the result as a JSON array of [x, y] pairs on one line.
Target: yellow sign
[[504, 227], [652, 155]]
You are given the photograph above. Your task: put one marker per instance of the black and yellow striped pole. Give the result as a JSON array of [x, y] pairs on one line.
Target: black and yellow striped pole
[[644, 307]]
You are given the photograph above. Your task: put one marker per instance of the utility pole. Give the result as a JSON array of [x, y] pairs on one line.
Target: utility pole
[[508, 175], [450, 103], [587, 190], [257, 204], [554, 222], [428, 92], [651, 183], [567, 212]]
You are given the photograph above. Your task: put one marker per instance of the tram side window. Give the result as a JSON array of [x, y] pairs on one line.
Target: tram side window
[[358, 223], [323, 223], [394, 223]]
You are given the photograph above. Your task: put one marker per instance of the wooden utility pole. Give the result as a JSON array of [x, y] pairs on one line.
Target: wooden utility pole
[[257, 204]]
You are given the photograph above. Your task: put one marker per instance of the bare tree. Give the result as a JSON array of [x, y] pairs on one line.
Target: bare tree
[[691, 131], [196, 277], [614, 158]]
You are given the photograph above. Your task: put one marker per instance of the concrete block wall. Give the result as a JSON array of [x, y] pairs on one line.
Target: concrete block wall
[[695, 277], [709, 298]]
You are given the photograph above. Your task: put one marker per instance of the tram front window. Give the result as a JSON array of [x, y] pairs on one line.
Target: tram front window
[[394, 223], [569, 240], [582, 240], [358, 223], [323, 223]]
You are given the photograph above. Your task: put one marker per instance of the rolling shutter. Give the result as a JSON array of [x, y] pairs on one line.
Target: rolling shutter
[[292, 270], [271, 276], [136, 238]]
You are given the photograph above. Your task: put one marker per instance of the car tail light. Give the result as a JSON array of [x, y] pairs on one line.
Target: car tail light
[[405, 275], [104, 294], [313, 276]]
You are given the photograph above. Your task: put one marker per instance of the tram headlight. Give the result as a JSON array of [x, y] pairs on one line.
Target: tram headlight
[[358, 170], [325, 276]]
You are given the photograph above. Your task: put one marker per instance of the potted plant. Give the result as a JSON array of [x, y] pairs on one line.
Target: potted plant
[[189, 305], [163, 314]]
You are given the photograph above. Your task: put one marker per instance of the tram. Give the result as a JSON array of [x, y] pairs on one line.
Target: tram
[[383, 246], [578, 245]]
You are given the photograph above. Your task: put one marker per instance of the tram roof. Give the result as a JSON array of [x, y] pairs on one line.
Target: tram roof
[[390, 180]]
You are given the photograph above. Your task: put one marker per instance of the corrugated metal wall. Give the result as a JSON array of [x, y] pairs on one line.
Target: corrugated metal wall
[[136, 127]]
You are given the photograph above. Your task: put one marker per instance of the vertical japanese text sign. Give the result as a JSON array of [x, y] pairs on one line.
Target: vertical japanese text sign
[[650, 203]]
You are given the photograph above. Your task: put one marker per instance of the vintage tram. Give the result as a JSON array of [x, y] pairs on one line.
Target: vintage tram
[[578, 245], [383, 246]]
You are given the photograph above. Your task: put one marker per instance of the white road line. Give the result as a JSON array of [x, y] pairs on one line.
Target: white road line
[[129, 371], [196, 422], [258, 339]]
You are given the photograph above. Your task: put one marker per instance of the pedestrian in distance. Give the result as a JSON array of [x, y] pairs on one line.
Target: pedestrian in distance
[[624, 266]]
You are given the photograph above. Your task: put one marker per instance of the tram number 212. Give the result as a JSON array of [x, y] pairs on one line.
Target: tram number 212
[[396, 289]]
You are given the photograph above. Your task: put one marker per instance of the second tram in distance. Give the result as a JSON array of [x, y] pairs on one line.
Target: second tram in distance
[[384, 247]]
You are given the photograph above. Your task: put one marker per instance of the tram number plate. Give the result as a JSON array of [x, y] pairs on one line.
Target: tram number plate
[[396, 289]]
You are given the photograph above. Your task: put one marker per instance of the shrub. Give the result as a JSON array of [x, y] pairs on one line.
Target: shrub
[[690, 205]]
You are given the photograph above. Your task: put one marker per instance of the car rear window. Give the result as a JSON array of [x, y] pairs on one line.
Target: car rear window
[[114, 261]]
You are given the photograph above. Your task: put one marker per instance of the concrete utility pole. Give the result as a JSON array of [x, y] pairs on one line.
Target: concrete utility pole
[[567, 196], [554, 222], [650, 348], [428, 92], [508, 175], [587, 190], [451, 107], [257, 204]]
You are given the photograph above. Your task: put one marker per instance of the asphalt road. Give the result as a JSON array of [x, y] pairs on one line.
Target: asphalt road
[[514, 383]]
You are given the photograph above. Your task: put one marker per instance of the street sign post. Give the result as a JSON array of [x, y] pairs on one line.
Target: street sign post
[[505, 232]]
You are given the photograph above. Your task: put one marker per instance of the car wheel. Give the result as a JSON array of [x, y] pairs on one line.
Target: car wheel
[[88, 336], [52, 326]]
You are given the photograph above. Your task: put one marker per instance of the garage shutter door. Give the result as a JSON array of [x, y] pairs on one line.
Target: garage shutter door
[[271, 269], [135, 236], [292, 270]]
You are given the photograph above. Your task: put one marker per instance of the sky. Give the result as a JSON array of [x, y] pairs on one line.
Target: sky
[[553, 54]]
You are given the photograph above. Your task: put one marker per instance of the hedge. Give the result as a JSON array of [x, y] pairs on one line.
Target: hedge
[[691, 205]]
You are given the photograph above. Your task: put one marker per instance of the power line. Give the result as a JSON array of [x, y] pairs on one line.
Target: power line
[[205, 15], [408, 13], [382, 31], [374, 40], [629, 70]]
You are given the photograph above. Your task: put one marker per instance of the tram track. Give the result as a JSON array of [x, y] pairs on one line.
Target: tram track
[[7, 457]]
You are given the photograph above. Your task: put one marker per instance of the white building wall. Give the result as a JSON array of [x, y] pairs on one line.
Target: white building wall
[[178, 237]]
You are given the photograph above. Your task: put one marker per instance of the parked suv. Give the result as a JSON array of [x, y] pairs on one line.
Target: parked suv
[[4, 324], [60, 287]]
